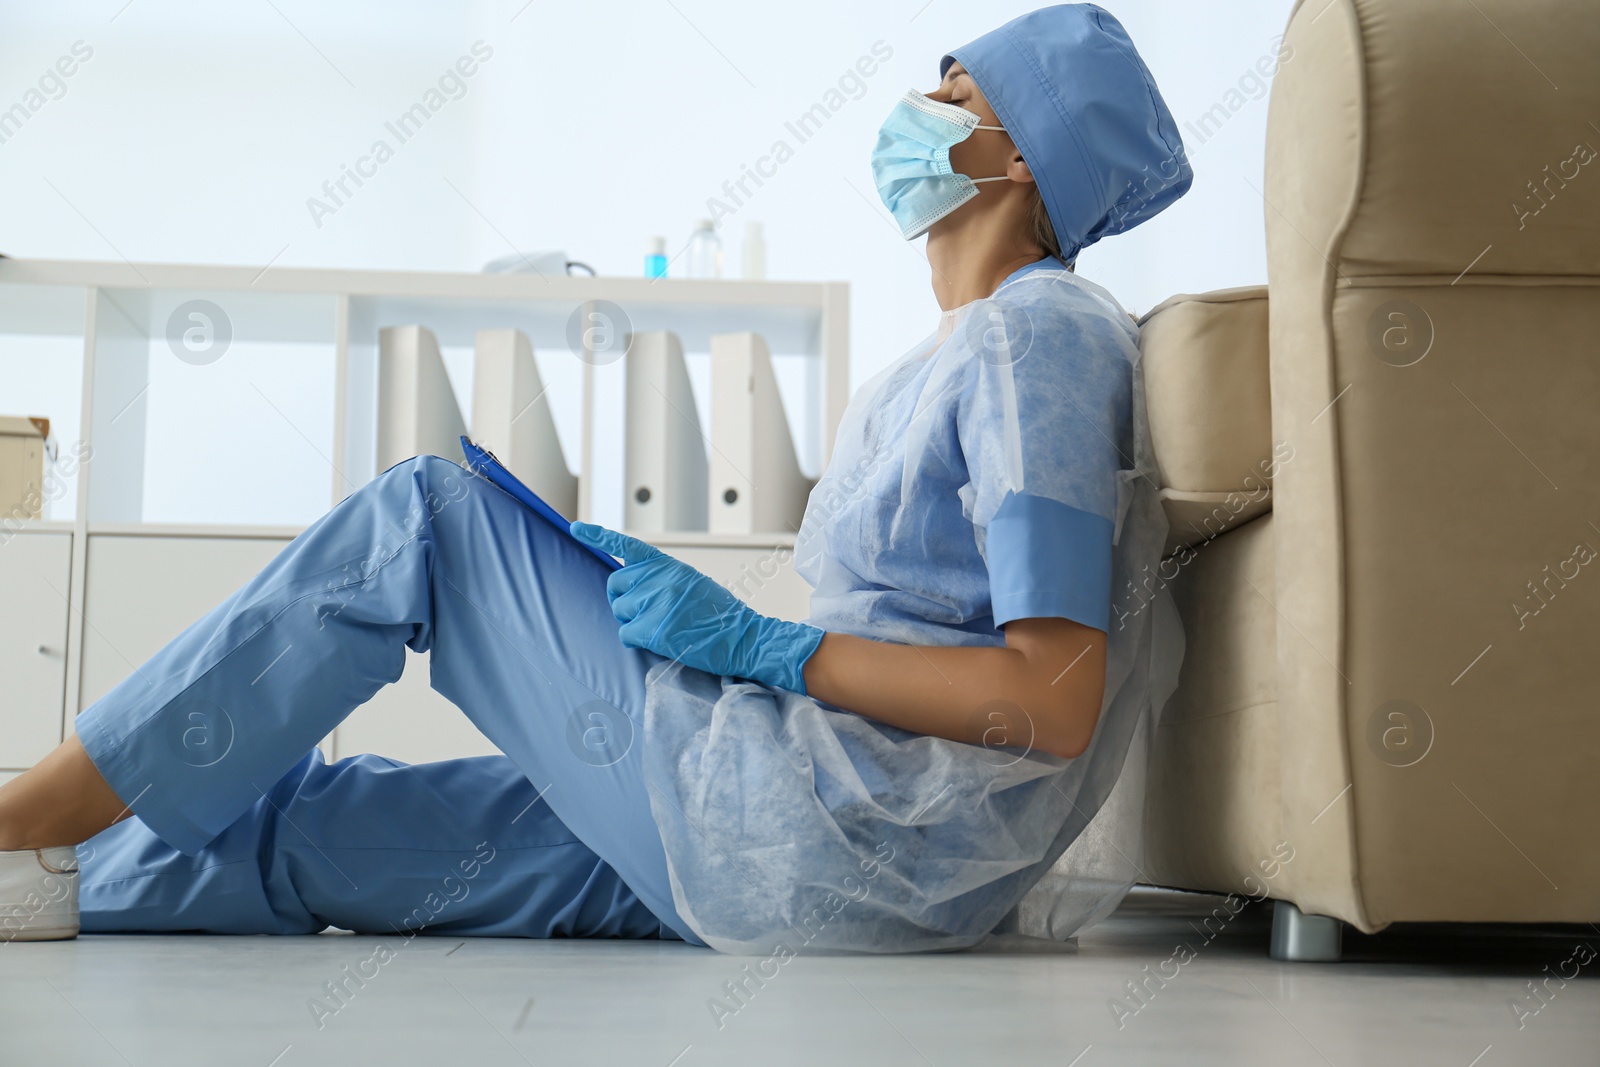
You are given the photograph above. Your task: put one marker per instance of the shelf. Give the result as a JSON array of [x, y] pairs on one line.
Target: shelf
[[455, 304], [128, 315], [194, 529], [676, 539], [695, 539], [26, 526], [452, 284]]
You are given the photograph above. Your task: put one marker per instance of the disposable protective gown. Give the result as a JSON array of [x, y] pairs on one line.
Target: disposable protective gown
[[1001, 469]]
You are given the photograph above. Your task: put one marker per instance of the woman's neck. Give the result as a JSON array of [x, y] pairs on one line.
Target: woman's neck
[[971, 256]]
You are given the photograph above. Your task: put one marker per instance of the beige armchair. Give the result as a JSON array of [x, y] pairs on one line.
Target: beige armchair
[[1383, 472]]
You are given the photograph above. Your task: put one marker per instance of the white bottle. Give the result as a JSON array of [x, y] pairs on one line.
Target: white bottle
[[753, 257], [705, 251]]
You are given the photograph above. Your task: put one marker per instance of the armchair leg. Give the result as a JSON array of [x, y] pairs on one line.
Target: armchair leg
[[1304, 938]]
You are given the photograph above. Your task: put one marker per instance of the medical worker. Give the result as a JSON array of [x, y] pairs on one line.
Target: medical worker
[[984, 656]]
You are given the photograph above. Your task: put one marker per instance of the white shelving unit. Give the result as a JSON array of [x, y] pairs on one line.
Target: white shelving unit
[[89, 599]]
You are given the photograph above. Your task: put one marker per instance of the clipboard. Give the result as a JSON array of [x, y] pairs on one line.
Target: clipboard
[[482, 461]]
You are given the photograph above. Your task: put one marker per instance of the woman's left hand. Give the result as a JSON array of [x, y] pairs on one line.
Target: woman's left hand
[[670, 608]]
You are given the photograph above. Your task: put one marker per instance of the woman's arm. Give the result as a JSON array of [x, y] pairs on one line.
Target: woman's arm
[[1042, 691]]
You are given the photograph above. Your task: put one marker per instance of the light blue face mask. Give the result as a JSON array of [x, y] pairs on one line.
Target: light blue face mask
[[911, 162]]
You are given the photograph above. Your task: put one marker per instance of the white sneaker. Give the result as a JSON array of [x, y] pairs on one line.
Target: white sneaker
[[39, 895]]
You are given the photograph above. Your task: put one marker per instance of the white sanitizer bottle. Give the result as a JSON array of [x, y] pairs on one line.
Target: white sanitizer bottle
[[705, 251], [753, 257]]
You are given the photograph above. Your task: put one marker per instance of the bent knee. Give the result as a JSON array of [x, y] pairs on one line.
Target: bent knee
[[438, 480], [426, 467]]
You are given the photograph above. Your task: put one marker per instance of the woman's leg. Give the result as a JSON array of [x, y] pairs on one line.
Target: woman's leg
[[61, 801], [462, 847], [521, 636]]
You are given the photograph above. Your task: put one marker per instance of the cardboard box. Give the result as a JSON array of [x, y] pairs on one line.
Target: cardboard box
[[22, 442]]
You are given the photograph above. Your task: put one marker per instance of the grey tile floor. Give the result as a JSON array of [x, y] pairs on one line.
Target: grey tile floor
[[1421, 996]]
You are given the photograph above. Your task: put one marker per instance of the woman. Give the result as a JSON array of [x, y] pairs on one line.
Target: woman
[[690, 773]]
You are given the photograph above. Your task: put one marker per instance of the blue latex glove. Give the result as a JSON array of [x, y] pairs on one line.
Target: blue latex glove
[[672, 609]]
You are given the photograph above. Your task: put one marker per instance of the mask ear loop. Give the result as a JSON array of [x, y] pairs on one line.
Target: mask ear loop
[[983, 179], [1001, 178]]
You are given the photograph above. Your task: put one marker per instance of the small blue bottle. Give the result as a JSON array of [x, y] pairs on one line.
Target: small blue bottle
[[655, 261]]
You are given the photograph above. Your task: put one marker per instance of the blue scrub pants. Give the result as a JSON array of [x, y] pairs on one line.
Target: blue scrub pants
[[241, 827]]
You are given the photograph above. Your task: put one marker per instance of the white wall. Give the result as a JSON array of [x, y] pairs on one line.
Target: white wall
[[197, 132]]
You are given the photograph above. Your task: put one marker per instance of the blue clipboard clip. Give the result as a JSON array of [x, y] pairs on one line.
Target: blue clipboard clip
[[482, 461]]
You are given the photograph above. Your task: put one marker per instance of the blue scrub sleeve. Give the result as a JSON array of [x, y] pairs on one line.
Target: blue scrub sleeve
[[1046, 432], [1049, 560]]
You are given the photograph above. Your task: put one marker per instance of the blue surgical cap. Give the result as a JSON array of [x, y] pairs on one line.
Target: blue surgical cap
[[1083, 110]]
